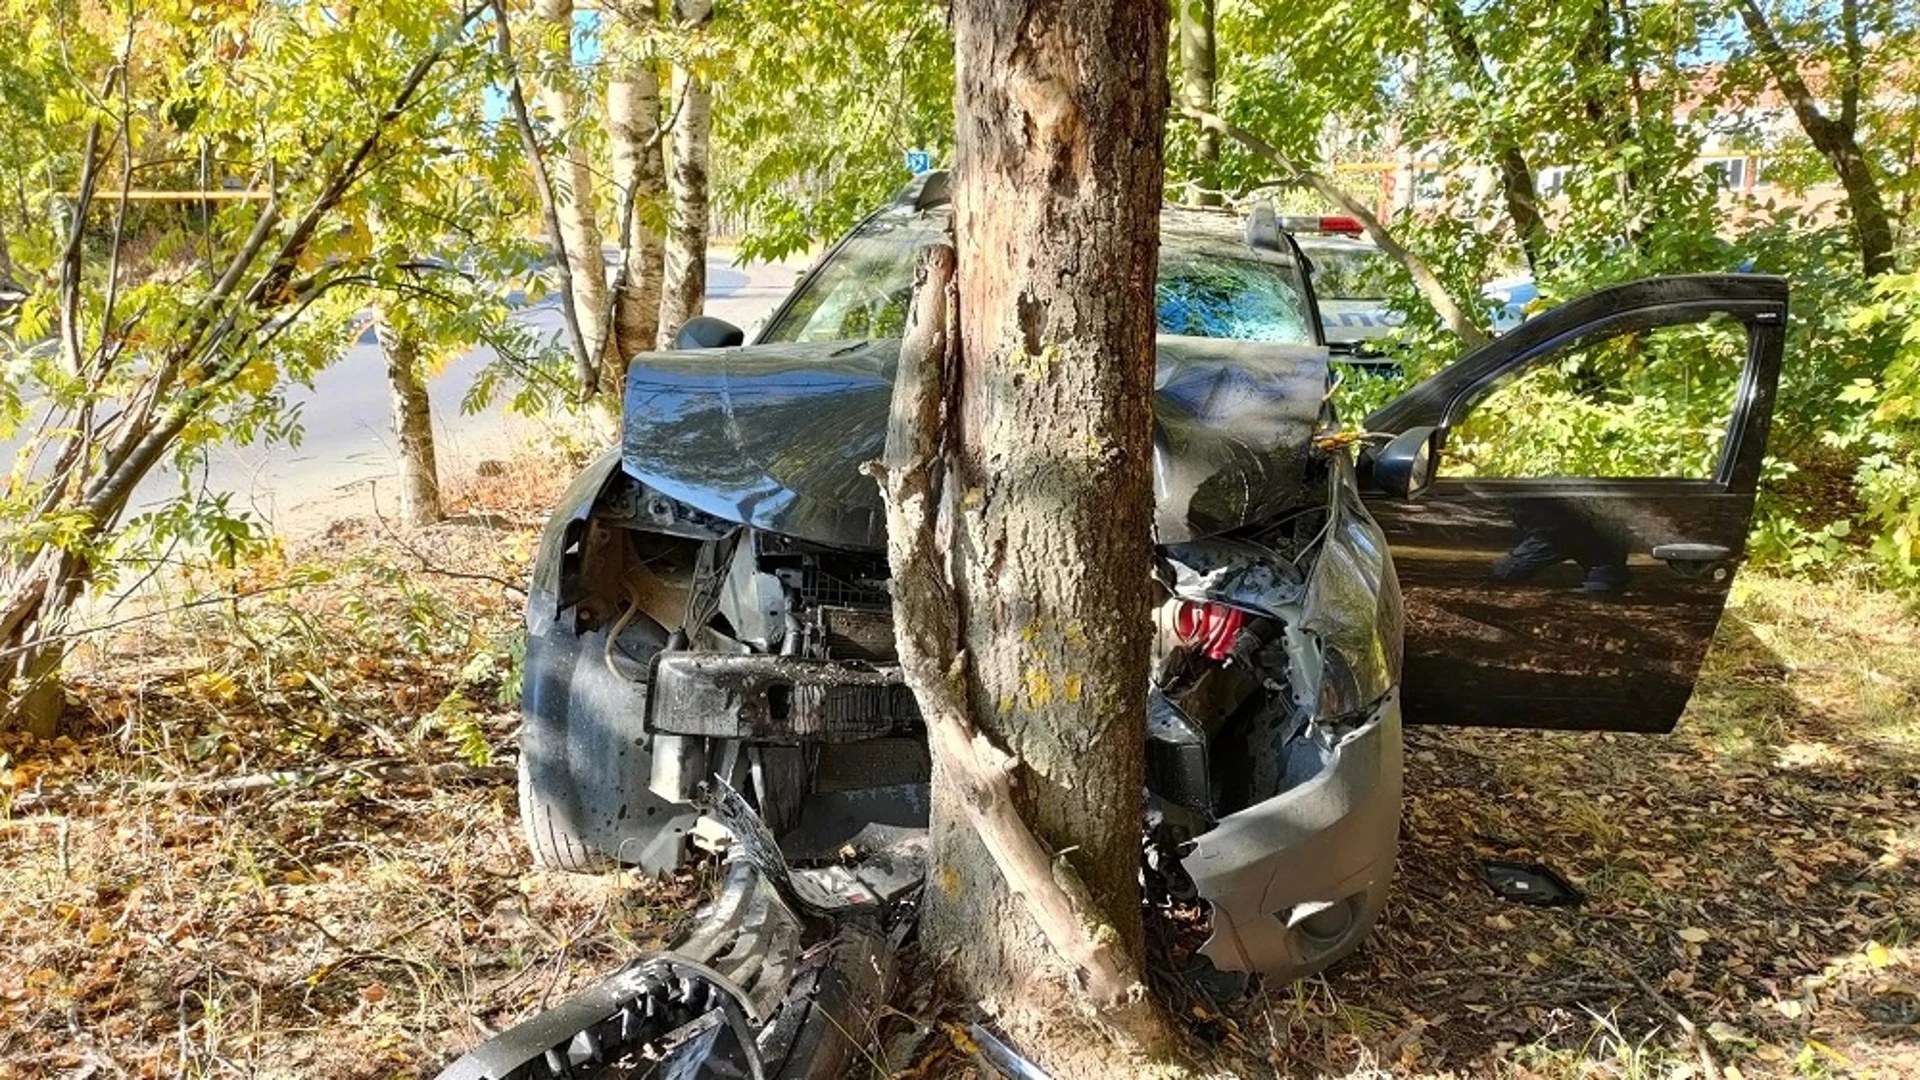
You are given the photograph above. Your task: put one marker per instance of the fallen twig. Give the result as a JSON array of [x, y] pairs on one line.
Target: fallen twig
[[1709, 1066], [426, 565]]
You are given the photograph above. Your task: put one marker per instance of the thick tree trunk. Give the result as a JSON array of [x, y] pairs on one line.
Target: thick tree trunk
[[684, 292], [412, 424], [573, 194], [1057, 189], [1197, 90], [633, 129], [1837, 140]]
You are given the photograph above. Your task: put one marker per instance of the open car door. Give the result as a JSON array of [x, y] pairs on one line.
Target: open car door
[[1596, 476]]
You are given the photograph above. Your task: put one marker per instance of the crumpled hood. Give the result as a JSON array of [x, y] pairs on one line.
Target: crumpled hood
[[773, 436]]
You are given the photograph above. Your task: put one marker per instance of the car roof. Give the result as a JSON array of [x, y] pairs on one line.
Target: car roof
[[1187, 229]]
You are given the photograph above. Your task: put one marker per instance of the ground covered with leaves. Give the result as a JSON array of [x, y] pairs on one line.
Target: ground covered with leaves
[[282, 842]]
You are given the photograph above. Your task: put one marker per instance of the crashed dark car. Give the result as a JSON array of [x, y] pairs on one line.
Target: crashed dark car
[[710, 650]]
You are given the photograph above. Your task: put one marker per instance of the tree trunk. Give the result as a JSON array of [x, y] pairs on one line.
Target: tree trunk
[[1057, 189], [1837, 140], [39, 599], [7, 282], [1197, 90], [684, 292], [573, 181], [633, 128], [1516, 175], [412, 423]]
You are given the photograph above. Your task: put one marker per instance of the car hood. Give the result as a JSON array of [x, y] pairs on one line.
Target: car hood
[[773, 436]]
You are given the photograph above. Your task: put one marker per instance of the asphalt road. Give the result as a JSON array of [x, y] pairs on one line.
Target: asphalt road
[[346, 457]]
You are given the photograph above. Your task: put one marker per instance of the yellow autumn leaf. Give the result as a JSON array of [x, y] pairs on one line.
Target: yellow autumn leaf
[[215, 684], [1878, 955], [1693, 935]]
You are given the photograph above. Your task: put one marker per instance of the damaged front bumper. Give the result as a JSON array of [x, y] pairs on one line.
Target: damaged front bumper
[[1296, 881]]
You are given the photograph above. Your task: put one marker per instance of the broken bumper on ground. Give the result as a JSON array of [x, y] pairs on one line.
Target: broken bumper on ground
[[1297, 880]]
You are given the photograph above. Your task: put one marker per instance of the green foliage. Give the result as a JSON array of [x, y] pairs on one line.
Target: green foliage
[[819, 104], [1648, 404], [1886, 434]]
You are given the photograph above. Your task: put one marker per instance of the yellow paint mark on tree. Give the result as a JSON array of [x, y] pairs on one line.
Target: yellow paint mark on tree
[[949, 880], [1072, 689]]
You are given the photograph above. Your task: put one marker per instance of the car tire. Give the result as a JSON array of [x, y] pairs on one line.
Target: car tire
[[584, 764]]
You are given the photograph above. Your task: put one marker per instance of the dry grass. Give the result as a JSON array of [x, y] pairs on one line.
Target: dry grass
[[339, 923], [1758, 873]]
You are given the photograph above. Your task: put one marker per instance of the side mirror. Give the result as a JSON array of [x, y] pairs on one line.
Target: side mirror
[[1406, 465], [707, 332]]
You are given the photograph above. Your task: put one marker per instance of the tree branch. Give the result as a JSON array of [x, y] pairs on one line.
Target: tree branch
[[1516, 174], [549, 205], [109, 493], [1424, 279]]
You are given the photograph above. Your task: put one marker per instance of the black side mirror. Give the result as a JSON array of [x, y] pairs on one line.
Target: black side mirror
[[707, 332], [1406, 465]]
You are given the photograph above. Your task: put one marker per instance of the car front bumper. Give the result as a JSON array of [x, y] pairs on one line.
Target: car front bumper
[[1296, 881]]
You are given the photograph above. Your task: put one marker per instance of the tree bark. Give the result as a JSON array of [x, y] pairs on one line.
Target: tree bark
[[1837, 140], [1057, 189], [1197, 89], [634, 132], [1432, 290], [7, 282], [683, 294], [412, 422], [573, 189]]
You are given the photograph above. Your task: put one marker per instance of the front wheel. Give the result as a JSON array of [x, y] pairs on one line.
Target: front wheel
[[585, 763]]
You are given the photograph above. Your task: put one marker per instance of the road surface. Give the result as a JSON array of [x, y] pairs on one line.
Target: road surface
[[346, 457]]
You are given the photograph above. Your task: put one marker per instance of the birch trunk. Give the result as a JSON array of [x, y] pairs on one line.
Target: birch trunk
[[412, 423], [1197, 89], [1061, 111], [633, 129], [683, 293], [573, 193]]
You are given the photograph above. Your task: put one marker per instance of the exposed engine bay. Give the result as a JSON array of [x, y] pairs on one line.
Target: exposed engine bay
[[768, 662]]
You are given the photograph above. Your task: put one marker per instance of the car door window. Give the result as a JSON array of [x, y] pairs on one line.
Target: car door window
[[1652, 403], [1598, 470]]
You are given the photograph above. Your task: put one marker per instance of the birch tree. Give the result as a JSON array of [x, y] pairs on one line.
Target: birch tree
[[684, 290]]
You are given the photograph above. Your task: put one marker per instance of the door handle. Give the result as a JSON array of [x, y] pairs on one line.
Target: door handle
[[1691, 553], [1695, 560]]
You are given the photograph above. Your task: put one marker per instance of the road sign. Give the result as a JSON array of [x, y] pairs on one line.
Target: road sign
[[919, 161]]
